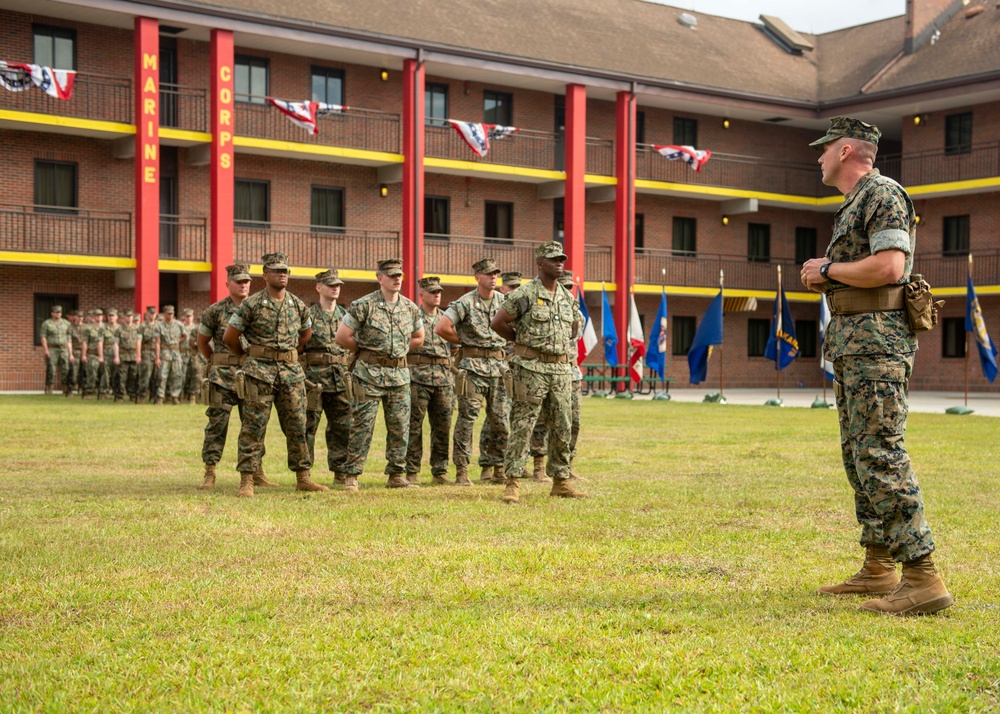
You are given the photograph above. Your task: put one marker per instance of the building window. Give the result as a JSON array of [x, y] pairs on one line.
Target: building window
[[683, 335], [685, 131], [327, 213], [807, 333], [640, 130], [498, 108], [758, 332], [328, 85], [253, 203], [685, 232], [953, 337], [55, 186], [54, 46], [436, 104], [499, 221], [805, 244], [43, 310], [437, 217], [759, 242], [956, 235], [640, 232], [958, 133], [250, 80]]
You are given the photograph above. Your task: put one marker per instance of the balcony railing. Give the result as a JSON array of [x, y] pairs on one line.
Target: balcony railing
[[95, 96], [55, 229], [941, 166], [183, 107], [319, 246], [950, 271], [600, 157], [455, 254], [667, 267], [355, 129], [525, 147], [183, 237]]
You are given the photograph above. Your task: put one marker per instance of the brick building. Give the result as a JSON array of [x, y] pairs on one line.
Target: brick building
[[168, 163]]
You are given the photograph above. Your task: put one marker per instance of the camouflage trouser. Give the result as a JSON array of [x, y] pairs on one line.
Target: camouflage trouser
[[109, 373], [492, 443], [195, 373], [337, 408], [147, 373], [871, 405], [127, 378], [92, 374], [550, 395], [57, 361], [171, 377], [289, 400], [438, 403], [75, 377], [217, 427], [541, 430], [396, 405]]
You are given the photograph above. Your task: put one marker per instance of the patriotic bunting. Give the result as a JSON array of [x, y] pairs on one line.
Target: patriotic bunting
[[16, 77], [305, 114], [478, 136], [688, 154]]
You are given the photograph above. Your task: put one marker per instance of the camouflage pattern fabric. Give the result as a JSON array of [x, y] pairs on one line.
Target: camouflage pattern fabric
[[432, 392], [76, 375], [171, 364], [92, 334], [332, 379], [472, 315], [274, 324], [195, 373], [539, 435], [213, 324], [217, 428], [57, 336], [148, 374], [396, 407], [109, 372], [128, 371], [872, 408]]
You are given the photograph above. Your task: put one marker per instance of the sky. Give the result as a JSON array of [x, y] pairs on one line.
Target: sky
[[811, 16]]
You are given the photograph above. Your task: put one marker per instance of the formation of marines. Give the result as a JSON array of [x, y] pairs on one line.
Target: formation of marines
[[112, 354]]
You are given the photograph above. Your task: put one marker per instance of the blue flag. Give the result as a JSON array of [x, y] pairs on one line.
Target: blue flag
[[709, 333], [608, 332], [656, 353], [975, 324], [782, 347]]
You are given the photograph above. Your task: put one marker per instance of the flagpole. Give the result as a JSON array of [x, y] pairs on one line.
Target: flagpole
[[777, 336], [721, 290], [967, 343]]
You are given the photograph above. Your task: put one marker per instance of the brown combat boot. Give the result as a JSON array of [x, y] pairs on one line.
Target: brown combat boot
[[561, 488], [573, 475], [876, 577], [259, 479], [397, 481], [304, 483], [351, 484], [462, 476], [510, 494], [499, 475], [920, 592], [209, 483], [339, 478], [156, 402], [439, 480], [538, 474], [246, 484], [413, 478], [487, 475]]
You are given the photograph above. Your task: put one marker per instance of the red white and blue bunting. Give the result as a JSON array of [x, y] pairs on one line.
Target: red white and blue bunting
[[305, 114], [688, 154], [478, 136], [16, 77]]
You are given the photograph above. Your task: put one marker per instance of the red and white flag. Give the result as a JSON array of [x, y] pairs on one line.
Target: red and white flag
[[636, 342], [304, 114], [17, 77], [478, 136], [588, 338], [688, 154]]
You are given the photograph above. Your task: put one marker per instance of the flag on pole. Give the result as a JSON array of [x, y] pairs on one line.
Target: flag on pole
[[57, 83], [709, 333], [782, 346], [588, 338], [824, 324], [636, 342], [608, 332], [656, 353], [304, 114], [975, 324], [688, 154], [478, 136]]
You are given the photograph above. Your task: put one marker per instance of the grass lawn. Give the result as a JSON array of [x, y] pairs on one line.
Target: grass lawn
[[687, 581]]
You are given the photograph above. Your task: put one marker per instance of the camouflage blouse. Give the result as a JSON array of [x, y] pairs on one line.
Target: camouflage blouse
[[330, 376], [544, 321], [384, 329], [433, 375], [472, 315], [267, 322]]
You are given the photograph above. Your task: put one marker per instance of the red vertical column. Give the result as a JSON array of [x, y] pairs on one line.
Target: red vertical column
[[576, 189], [147, 163], [413, 176], [624, 215], [223, 125]]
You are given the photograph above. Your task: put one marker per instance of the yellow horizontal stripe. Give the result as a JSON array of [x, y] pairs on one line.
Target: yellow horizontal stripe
[[738, 193], [185, 266], [78, 261], [109, 127], [949, 186], [293, 147], [589, 285], [456, 279], [598, 179], [961, 291], [201, 137], [501, 169]]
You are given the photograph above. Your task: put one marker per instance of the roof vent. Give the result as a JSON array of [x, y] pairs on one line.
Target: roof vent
[[688, 20], [789, 39]]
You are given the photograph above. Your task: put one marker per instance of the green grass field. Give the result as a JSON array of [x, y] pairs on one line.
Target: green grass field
[[687, 581]]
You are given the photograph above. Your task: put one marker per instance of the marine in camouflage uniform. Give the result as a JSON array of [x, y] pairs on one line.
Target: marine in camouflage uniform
[[76, 378], [543, 318], [432, 389], [382, 331], [109, 372], [871, 345], [326, 365], [169, 335], [57, 345], [194, 361], [276, 325], [93, 352], [148, 371], [539, 435], [128, 370], [481, 367]]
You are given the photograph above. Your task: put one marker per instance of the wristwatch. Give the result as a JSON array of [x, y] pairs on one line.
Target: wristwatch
[[825, 269]]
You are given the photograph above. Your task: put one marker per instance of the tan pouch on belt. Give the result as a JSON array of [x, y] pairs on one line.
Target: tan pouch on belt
[[314, 396], [921, 309]]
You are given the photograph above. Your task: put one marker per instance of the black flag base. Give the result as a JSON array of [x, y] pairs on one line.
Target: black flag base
[[961, 411], [820, 403]]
